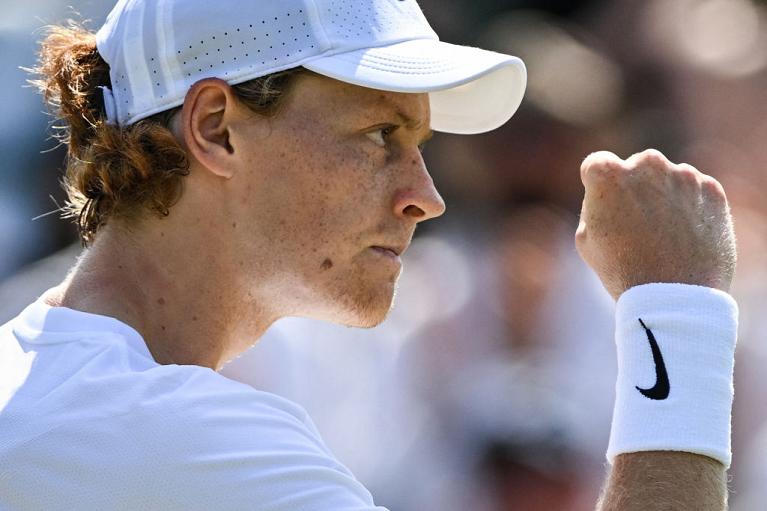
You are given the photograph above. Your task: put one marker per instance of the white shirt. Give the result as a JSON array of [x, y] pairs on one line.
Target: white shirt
[[88, 420]]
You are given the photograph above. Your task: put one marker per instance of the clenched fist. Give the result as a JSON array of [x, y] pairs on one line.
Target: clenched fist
[[648, 220]]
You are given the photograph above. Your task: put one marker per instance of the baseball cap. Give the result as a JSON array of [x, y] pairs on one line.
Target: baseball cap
[[157, 49]]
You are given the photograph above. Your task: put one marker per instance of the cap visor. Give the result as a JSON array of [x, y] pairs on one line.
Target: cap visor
[[471, 90]]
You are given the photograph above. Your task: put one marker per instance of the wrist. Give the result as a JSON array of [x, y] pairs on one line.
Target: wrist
[[674, 392]]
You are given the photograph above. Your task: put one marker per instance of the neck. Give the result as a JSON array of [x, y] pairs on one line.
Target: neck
[[188, 308]]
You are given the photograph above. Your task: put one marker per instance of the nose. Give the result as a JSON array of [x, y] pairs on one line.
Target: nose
[[417, 199]]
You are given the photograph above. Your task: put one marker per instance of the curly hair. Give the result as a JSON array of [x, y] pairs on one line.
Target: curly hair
[[114, 171]]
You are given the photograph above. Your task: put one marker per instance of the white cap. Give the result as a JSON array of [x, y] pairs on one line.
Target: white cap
[[157, 49]]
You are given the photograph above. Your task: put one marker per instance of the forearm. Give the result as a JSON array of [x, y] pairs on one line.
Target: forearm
[[664, 481]]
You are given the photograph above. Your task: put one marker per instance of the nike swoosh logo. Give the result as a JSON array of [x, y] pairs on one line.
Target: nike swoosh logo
[[662, 386]]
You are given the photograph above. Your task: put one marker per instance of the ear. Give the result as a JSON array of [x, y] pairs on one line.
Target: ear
[[209, 109]]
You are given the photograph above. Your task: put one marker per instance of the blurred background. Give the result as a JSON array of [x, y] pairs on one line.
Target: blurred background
[[491, 385]]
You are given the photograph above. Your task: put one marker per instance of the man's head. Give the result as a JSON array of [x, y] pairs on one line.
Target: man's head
[[293, 126]]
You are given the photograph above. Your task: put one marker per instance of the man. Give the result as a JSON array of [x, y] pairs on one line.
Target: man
[[302, 205]]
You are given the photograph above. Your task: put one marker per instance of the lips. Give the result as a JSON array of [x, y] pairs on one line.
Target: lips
[[395, 251]]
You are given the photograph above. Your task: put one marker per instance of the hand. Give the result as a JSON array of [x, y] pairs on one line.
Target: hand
[[647, 220]]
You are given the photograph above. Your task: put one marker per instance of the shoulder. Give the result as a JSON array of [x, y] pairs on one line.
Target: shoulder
[[206, 403], [217, 441]]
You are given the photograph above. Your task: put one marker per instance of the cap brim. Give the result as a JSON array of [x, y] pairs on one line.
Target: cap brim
[[470, 90]]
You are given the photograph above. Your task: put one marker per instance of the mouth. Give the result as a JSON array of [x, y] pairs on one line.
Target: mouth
[[390, 252], [393, 250]]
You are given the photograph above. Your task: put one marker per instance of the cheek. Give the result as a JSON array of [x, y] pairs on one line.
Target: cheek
[[335, 178], [324, 198]]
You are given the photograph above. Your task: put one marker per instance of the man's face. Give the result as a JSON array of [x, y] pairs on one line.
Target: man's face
[[330, 195]]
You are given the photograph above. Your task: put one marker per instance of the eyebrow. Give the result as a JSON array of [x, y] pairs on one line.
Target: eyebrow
[[414, 125]]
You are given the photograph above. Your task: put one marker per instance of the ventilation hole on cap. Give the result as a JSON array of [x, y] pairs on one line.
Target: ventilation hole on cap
[[251, 26], [226, 33], [152, 59], [206, 53], [247, 55], [279, 31], [202, 42], [214, 37], [158, 84], [190, 46], [238, 30], [200, 70]]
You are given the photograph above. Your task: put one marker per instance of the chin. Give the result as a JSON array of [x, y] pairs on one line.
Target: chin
[[362, 309], [368, 321], [366, 314]]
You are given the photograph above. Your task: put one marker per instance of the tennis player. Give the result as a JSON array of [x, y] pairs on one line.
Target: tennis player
[[231, 163]]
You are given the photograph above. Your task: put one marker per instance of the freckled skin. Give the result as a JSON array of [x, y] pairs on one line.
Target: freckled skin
[[322, 204]]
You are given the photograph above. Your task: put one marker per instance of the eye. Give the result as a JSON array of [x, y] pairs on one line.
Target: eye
[[381, 135]]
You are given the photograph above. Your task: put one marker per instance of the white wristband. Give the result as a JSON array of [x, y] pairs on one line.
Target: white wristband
[[675, 377]]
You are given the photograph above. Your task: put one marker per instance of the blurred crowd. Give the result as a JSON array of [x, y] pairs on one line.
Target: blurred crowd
[[490, 387]]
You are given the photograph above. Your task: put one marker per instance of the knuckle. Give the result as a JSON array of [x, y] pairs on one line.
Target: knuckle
[[686, 167], [713, 187], [580, 234], [688, 172], [652, 158], [581, 244], [600, 164]]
